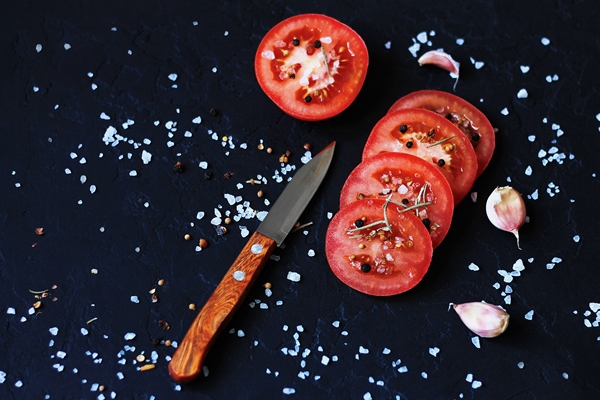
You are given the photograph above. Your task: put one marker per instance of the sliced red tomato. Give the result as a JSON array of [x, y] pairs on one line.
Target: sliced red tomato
[[461, 113], [312, 66], [409, 181], [376, 248], [431, 137]]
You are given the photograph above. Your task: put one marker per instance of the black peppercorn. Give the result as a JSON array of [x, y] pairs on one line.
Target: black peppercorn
[[359, 223], [403, 128], [441, 162], [409, 144], [308, 99], [296, 42], [317, 44], [365, 268]]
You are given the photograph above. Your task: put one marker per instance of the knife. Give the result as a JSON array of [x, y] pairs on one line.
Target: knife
[[188, 359]]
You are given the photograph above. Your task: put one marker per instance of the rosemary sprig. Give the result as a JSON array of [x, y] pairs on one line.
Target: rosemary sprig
[[38, 291], [427, 203], [301, 226], [371, 225], [440, 142], [325, 59]]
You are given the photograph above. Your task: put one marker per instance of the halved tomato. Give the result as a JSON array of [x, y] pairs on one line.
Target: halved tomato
[[461, 113], [409, 181], [431, 137], [312, 66], [376, 248]]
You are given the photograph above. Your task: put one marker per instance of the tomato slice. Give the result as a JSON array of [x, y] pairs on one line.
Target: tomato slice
[[311, 66], [407, 180], [431, 137], [373, 260], [461, 113]]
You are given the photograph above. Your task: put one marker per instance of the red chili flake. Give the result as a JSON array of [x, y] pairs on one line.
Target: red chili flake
[[164, 325], [228, 175], [39, 231], [178, 167]]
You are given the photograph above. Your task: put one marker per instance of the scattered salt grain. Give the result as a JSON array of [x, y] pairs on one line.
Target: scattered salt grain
[[173, 77], [311, 253], [424, 375], [363, 350], [67, 46], [473, 267], [10, 310], [38, 47], [504, 111], [531, 138], [293, 276], [460, 41], [576, 238], [367, 396], [129, 336], [53, 331], [133, 173], [414, 49], [146, 157], [476, 384], [434, 351], [529, 315], [522, 94], [289, 390], [84, 331], [476, 342], [528, 170], [545, 41], [324, 360], [134, 299], [524, 69]]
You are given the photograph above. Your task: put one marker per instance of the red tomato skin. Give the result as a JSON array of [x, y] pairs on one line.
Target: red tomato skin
[[406, 175], [460, 163], [472, 119], [410, 263], [289, 94]]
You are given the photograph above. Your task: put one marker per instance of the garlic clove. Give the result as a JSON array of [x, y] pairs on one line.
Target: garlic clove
[[442, 60], [483, 319], [505, 209]]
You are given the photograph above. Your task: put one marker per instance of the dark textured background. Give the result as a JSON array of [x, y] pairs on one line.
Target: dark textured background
[[153, 210]]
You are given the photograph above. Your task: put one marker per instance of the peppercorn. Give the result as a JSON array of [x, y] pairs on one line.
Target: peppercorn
[[296, 42], [213, 112], [475, 137], [427, 223], [365, 268], [308, 99], [207, 175], [317, 44], [405, 201], [359, 223], [403, 128], [441, 162], [409, 144]]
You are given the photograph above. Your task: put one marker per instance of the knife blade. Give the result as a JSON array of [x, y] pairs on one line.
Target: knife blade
[[187, 362]]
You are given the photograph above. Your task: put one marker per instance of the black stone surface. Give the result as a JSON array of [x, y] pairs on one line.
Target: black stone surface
[[131, 228]]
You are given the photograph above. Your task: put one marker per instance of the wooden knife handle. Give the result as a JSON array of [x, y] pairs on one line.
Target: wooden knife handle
[[187, 361]]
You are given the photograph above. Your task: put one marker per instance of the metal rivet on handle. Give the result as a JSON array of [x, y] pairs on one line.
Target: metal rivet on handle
[[239, 275], [256, 248]]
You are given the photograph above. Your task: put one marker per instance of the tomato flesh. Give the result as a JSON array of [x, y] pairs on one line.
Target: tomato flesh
[[397, 260], [472, 122], [312, 66], [407, 180], [431, 137]]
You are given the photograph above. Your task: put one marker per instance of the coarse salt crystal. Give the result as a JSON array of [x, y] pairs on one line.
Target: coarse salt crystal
[[146, 157], [529, 315], [173, 77], [293, 276], [129, 336], [504, 111], [460, 41], [53, 331], [522, 94], [434, 351], [289, 390], [545, 41], [476, 342], [524, 69], [10, 310], [473, 267]]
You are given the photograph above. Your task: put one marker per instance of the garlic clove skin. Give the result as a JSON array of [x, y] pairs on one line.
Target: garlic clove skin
[[442, 60], [505, 209], [483, 319]]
